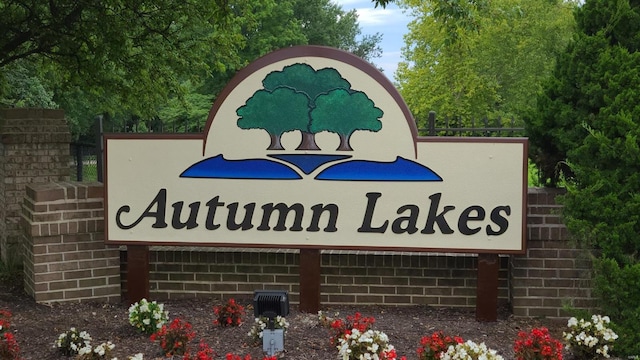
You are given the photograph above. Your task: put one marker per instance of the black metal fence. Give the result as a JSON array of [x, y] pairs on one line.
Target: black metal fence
[[473, 127], [84, 162], [87, 161]]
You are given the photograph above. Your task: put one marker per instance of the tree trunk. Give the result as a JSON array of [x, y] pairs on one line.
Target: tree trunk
[[344, 143], [308, 142], [275, 142]]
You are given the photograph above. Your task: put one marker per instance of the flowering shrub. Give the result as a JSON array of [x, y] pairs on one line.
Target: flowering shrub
[[590, 339], [537, 345], [102, 351], [229, 314], [262, 322], [5, 320], [147, 316], [137, 356], [431, 347], [204, 353], [9, 349], [343, 328], [71, 341], [369, 344], [470, 351], [174, 338]]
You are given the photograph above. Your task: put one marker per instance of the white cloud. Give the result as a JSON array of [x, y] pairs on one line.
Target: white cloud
[[377, 17]]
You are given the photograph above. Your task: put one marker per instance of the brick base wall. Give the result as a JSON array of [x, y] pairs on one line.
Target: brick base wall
[[65, 258], [346, 277]]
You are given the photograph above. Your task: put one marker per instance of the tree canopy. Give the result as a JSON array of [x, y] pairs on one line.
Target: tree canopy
[[153, 61], [477, 58], [587, 124]]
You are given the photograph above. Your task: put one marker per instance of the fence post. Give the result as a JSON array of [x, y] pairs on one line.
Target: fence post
[[99, 150], [432, 123], [79, 162]]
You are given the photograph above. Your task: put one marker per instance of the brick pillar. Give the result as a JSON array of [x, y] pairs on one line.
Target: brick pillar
[[34, 148], [65, 258], [552, 273]]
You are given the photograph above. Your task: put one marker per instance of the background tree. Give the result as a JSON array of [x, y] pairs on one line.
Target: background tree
[[277, 112], [588, 118], [343, 112], [480, 58]]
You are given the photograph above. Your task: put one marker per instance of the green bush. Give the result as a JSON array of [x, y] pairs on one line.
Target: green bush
[[619, 297]]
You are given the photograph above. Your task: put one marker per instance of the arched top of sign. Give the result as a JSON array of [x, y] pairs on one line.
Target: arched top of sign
[[310, 100]]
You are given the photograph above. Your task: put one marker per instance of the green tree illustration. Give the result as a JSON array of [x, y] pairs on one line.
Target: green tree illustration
[[342, 112], [277, 112], [305, 80]]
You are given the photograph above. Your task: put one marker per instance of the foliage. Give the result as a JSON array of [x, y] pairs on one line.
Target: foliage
[[479, 58], [123, 54], [370, 344], [175, 338], [262, 322], [592, 87], [432, 347], [5, 320], [147, 317], [470, 351], [71, 341], [590, 339], [99, 352], [265, 26], [229, 314], [618, 295], [537, 345], [204, 353], [587, 126], [340, 327], [9, 348]]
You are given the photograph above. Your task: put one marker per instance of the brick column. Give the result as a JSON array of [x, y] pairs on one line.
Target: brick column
[[65, 258], [553, 272], [34, 148]]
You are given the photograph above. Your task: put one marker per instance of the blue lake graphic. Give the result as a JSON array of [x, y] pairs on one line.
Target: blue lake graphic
[[401, 169]]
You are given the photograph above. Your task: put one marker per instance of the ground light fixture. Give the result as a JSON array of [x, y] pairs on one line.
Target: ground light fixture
[[270, 304]]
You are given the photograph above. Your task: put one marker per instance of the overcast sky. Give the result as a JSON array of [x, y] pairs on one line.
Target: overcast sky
[[390, 22]]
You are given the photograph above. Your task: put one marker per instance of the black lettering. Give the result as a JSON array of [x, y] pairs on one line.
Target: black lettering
[[284, 210], [372, 198], [177, 212], [318, 209], [410, 220], [246, 221], [498, 219], [465, 217], [212, 204], [434, 217], [160, 201]]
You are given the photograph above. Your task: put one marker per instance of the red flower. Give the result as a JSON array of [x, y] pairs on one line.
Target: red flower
[[537, 345], [229, 314], [341, 328], [432, 347], [174, 338]]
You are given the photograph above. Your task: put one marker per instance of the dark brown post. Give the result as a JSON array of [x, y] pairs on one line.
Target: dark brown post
[[487, 292], [309, 280], [137, 273]]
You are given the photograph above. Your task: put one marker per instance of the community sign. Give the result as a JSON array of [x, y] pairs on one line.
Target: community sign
[[312, 147]]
